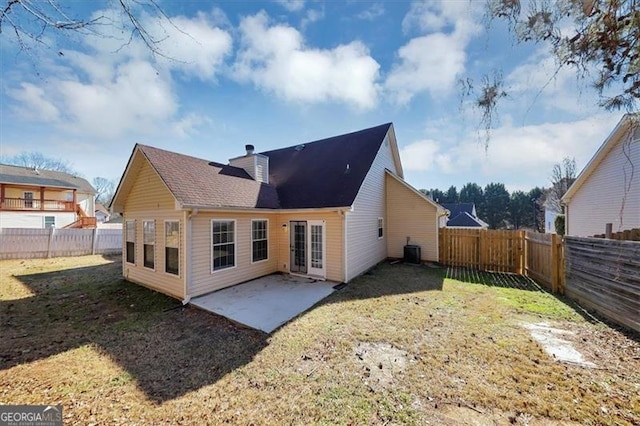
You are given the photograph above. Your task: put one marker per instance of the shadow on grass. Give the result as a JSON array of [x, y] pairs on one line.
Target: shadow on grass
[[507, 280], [167, 350], [492, 279], [391, 279]]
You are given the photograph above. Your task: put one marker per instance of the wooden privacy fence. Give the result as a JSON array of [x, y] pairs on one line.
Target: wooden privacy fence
[[605, 275], [538, 256], [26, 243], [626, 235]]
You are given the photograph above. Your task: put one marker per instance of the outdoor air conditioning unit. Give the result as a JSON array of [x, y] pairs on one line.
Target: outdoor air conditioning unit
[[412, 254]]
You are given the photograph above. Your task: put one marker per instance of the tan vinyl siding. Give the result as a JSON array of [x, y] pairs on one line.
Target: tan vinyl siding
[[364, 248], [149, 199], [148, 193], [334, 241], [410, 215], [203, 279], [600, 198]]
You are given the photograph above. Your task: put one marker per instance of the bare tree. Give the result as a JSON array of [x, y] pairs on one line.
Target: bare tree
[[105, 189], [562, 177], [600, 39], [37, 160], [32, 21]]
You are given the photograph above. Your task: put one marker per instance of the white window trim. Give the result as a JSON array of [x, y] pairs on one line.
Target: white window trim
[[164, 232], [135, 237], [235, 245], [251, 240], [155, 237], [380, 225], [44, 221]]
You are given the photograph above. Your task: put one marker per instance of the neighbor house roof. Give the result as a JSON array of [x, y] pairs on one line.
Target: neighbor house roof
[[195, 182], [327, 172], [466, 220], [456, 208], [621, 130], [19, 175]]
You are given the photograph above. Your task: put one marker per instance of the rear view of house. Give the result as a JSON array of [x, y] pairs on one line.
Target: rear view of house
[[32, 198], [329, 209], [608, 189]]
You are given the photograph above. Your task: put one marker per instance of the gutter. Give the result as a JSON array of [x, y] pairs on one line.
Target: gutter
[[253, 209]]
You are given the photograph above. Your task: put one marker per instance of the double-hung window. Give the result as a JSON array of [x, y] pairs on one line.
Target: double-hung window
[[130, 230], [172, 247], [259, 240], [380, 228], [149, 241], [223, 242]]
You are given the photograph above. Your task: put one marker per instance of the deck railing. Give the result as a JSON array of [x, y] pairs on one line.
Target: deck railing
[[37, 204]]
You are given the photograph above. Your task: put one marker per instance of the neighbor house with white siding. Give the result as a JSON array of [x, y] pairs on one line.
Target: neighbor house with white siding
[[34, 198], [329, 209], [608, 189]]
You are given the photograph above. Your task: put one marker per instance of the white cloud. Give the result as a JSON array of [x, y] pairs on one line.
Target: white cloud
[[432, 62], [516, 155], [539, 79], [312, 16], [106, 95], [33, 103], [372, 13], [292, 5], [275, 59]]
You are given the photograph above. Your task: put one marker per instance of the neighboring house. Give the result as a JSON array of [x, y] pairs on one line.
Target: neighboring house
[[608, 189], [462, 215], [551, 211], [330, 209], [32, 198], [101, 213]]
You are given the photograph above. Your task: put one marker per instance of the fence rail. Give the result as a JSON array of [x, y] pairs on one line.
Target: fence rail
[[605, 275], [26, 243]]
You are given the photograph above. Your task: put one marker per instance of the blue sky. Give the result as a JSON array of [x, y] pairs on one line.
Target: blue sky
[[279, 73]]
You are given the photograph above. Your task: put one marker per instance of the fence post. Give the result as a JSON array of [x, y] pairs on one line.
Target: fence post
[[50, 243], [555, 263], [482, 247], [94, 237], [608, 229]]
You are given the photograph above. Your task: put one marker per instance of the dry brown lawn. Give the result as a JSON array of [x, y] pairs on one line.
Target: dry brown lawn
[[400, 345]]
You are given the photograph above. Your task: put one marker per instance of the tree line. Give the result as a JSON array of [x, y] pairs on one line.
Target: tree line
[[496, 206]]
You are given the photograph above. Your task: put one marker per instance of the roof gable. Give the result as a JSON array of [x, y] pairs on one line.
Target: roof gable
[[325, 173], [457, 208], [19, 175], [197, 183], [629, 122]]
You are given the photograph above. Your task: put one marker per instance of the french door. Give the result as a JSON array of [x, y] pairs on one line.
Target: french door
[[308, 247]]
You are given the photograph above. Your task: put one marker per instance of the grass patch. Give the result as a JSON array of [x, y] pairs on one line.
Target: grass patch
[[399, 345]]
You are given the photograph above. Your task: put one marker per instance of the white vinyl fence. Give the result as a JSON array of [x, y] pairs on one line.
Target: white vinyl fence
[[26, 243]]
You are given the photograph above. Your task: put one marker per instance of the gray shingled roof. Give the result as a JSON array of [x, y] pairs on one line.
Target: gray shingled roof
[[196, 182], [19, 175]]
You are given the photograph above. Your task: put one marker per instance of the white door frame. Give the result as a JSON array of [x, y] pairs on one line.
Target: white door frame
[[317, 267]]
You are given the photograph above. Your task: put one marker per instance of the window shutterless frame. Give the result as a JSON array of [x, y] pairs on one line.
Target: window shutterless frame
[[149, 244], [172, 247], [259, 240], [223, 244], [130, 238]]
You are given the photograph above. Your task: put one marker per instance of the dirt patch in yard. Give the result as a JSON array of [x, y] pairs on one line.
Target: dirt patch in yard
[[382, 364]]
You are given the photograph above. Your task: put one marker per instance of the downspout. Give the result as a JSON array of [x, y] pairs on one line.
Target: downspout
[[344, 239], [189, 250]]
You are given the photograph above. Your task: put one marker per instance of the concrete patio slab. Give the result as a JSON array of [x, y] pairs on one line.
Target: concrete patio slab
[[268, 302]]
